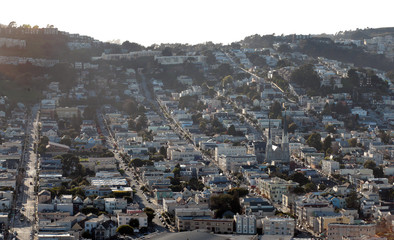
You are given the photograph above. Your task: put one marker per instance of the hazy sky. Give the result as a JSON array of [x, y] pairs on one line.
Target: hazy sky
[[188, 21]]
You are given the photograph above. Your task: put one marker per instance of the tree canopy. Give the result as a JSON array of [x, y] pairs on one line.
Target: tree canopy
[[306, 77], [314, 140], [125, 230]]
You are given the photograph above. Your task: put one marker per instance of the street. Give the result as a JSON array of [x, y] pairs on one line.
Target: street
[[23, 222]]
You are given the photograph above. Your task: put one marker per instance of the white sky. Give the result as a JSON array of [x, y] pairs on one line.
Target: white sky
[[186, 21]]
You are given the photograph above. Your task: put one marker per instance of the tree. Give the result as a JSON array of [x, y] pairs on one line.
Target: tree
[[66, 141], [167, 51], [327, 143], [194, 184], [275, 110], [225, 202], [89, 113], [141, 123], [378, 172], [292, 127], [177, 171], [352, 200], [65, 74], [352, 142], [327, 110], [242, 192], [283, 63], [134, 223], [125, 230], [223, 70], [227, 80], [306, 77], [137, 162], [314, 140], [330, 128], [87, 235], [163, 151], [384, 137], [322, 186], [298, 190], [299, 178], [150, 213], [132, 47], [231, 130], [284, 48], [369, 164], [88, 210], [310, 187]]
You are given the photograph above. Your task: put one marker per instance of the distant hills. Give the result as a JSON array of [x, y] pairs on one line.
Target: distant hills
[[367, 33]]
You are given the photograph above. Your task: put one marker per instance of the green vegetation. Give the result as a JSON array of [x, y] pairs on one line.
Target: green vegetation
[[325, 47], [225, 202], [282, 83], [134, 223], [352, 201], [191, 102], [314, 140], [42, 145], [137, 162], [257, 41], [275, 110], [327, 145], [242, 192], [125, 230], [150, 213], [257, 60], [306, 77]]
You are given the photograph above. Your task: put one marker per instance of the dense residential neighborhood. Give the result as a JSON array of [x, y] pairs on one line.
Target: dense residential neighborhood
[[271, 137]]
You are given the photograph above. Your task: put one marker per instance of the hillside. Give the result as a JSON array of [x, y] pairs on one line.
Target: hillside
[[368, 33]]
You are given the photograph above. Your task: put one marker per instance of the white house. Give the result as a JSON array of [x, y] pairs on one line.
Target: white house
[[359, 111], [245, 224], [124, 218]]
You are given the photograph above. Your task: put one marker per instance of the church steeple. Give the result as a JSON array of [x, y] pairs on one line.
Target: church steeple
[[268, 147], [285, 137], [269, 132], [285, 141]]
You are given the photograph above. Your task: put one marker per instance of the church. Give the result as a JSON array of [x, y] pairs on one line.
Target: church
[[278, 155]]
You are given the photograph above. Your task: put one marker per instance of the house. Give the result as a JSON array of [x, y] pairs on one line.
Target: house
[[329, 167], [308, 205], [227, 149], [124, 218], [337, 231], [67, 112], [233, 162], [160, 194], [115, 204], [44, 196], [275, 187], [55, 149], [190, 223], [278, 226], [359, 111], [258, 207], [105, 230], [92, 223], [245, 224]]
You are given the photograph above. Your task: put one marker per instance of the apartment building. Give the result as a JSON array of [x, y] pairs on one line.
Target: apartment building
[[245, 224], [275, 187], [278, 226], [337, 231]]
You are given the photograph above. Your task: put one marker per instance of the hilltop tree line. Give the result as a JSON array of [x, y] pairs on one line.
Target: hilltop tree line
[[325, 47]]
